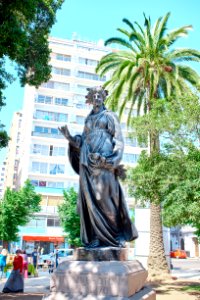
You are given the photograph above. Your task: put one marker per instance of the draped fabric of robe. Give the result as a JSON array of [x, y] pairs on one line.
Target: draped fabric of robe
[[96, 156]]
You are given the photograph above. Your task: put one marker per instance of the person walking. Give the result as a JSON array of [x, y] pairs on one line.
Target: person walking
[[35, 258], [56, 255], [15, 282], [25, 263], [3, 257]]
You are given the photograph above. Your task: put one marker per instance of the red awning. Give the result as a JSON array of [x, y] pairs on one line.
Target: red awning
[[58, 239]]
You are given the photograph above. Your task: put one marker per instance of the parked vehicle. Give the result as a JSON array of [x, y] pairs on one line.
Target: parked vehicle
[[178, 253], [63, 254]]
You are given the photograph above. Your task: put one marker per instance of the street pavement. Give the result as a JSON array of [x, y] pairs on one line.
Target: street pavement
[[40, 284], [36, 287], [186, 268]]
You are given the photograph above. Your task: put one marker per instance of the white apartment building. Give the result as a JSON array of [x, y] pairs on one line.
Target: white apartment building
[[44, 158], [12, 159], [2, 178]]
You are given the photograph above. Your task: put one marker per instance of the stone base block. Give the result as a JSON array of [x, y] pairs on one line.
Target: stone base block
[[99, 278], [144, 294], [101, 254]]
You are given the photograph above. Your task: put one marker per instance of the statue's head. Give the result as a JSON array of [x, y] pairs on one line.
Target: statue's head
[[96, 95]]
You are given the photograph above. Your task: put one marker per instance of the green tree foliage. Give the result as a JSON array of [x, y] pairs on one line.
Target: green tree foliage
[[174, 178], [69, 217], [4, 138], [16, 209], [24, 30], [149, 69], [181, 204]]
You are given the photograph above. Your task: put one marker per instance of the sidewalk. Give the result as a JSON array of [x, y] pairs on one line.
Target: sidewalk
[[36, 288]]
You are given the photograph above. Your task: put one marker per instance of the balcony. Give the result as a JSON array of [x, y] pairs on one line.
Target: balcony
[[48, 135]]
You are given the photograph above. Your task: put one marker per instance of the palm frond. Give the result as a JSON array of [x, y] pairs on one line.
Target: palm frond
[[189, 75], [162, 28], [103, 69], [119, 89], [123, 105], [127, 22], [125, 32], [172, 37], [142, 31], [184, 54], [119, 41], [133, 102]]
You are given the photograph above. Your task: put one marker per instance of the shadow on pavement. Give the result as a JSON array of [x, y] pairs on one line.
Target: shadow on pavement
[[21, 296]]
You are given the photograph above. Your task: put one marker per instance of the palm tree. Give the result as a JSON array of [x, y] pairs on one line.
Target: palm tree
[[149, 69]]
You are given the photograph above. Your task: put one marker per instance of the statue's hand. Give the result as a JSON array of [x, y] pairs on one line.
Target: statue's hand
[[65, 131]]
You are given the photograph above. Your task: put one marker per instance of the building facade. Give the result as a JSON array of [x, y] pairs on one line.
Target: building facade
[[13, 154], [2, 178]]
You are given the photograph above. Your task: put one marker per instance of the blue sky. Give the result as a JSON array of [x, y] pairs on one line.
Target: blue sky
[[93, 20]]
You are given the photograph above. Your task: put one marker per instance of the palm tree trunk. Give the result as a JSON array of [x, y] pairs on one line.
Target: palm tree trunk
[[157, 263]]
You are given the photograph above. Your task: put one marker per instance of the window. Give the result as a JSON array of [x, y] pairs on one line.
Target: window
[[39, 167], [130, 158], [131, 141], [57, 151], [87, 61], [61, 86], [47, 132], [38, 222], [44, 99], [82, 88], [18, 137], [40, 149], [17, 150], [34, 182], [56, 85], [56, 169], [42, 183], [54, 184], [91, 76], [19, 123], [61, 101], [80, 120], [61, 71], [63, 57], [50, 222], [51, 116], [49, 85], [53, 222]]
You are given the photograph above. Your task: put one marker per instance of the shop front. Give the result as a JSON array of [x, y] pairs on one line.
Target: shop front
[[44, 244]]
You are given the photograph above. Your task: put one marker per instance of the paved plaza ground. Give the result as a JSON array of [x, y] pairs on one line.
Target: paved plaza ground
[[36, 288]]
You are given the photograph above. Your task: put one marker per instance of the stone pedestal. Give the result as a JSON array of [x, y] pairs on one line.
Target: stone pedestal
[[100, 274], [101, 254]]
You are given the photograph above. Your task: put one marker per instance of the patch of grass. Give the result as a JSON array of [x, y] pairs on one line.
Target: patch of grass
[[191, 288]]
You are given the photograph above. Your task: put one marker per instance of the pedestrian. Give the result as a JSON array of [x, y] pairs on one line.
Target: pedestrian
[[56, 255], [25, 263], [35, 258], [15, 282], [51, 262], [3, 257]]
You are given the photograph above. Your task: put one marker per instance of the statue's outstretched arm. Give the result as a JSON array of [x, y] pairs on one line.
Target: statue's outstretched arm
[[74, 141]]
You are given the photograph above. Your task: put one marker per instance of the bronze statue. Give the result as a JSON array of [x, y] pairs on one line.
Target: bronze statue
[[95, 156]]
